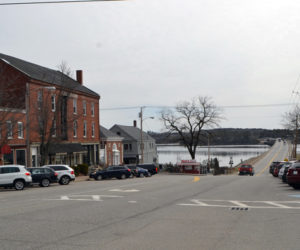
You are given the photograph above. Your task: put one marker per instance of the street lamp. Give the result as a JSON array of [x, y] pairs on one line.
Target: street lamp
[[142, 143], [27, 106]]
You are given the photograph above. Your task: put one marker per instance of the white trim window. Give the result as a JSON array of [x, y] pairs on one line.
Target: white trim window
[[20, 130], [9, 130], [93, 109], [74, 106], [84, 108], [93, 129], [75, 126], [53, 104], [84, 128]]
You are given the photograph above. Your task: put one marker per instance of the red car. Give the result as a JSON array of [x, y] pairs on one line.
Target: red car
[[246, 169], [293, 175]]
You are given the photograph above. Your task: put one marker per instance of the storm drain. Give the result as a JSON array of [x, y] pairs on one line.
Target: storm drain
[[240, 208]]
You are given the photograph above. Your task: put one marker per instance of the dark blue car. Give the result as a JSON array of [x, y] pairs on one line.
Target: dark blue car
[[119, 172]]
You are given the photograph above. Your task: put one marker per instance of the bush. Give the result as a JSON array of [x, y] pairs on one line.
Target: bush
[[83, 168], [169, 167], [76, 170]]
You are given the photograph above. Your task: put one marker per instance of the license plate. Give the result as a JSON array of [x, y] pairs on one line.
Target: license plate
[[295, 172]]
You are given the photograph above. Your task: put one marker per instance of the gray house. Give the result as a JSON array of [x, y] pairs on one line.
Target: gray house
[[132, 142]]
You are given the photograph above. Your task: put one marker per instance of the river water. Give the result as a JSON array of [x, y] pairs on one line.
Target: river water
[[175, 153]]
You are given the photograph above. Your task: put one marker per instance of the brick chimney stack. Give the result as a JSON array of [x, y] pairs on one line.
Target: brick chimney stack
[[79, 76], [134, 123]]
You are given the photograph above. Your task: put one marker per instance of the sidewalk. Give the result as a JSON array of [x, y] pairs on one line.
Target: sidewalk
[[82, 178]]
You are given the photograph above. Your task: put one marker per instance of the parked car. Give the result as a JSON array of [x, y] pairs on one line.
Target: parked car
[[246, 169], [141, 172], [152, 168], [293, 175], [273, 165], [43, 176], [283, 171], [15, 176], [65, 173], [119, 172]]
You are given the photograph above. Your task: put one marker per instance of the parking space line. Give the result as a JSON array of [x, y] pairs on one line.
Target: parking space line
[[276, 204], [242, 205], [239, 204]]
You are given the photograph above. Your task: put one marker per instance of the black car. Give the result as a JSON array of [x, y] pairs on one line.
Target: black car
[[43, 176], [141, 172], [152, 168], [119, 172]]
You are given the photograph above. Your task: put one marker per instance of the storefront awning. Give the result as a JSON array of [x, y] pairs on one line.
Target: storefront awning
[[67, 148]]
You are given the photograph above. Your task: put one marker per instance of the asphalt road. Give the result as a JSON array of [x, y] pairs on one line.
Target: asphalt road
[[161, 212]]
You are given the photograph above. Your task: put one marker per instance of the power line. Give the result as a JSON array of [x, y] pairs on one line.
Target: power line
[[57, 2], [225, 107]]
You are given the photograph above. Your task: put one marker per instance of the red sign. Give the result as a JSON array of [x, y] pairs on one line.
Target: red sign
[[5, 149], [188, 161]]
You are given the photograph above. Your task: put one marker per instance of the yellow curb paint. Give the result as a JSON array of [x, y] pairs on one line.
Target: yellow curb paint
[[268, 165], [196, 178]]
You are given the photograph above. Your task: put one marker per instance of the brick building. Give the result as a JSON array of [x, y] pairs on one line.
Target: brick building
[[111, 152], [46, 116]]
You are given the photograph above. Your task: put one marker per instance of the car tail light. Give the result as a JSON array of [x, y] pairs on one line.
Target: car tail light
[[55, 174], [129, 170], [27, 173], [156, 170], [72, 172]]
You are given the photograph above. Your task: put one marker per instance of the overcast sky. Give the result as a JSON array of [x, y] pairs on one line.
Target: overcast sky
[[159, 52]]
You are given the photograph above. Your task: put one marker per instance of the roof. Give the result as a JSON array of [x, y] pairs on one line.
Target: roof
[[44, 74], [107, 134], [131, 132]]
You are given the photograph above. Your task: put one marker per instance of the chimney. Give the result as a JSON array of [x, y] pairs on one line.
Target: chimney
[[79, 76], [134, 123]]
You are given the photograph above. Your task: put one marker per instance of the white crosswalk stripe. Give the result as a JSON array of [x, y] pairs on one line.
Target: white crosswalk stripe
[[243, 204]]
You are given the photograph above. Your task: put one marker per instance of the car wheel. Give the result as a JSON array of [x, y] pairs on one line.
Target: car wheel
[[65, 180], [142, 175], [19, 185], [123, 176], [99, 177], [149, 175], [45, 183]]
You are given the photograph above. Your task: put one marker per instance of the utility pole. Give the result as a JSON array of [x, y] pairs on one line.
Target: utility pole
[[296, 139], [208, 152], [142, 144]]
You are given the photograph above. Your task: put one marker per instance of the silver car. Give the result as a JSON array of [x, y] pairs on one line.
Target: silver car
[[65, 173], [15, 176]]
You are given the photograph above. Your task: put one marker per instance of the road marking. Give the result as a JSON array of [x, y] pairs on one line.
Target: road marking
[[268, 165], [239, 204], [277, 204], [243, 205], [295, 195], [132, 201], [196, 178], [84, 197], [199, 202], [125, 191]]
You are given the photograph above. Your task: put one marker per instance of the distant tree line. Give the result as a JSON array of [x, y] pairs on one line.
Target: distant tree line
[[228, 136]]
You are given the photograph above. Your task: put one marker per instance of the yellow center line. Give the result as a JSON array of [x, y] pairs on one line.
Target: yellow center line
[[196, 178], [269, 162]]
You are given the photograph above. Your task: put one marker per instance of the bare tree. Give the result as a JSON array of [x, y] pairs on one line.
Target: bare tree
[[53, 124], [189, 118], [291, 121]]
